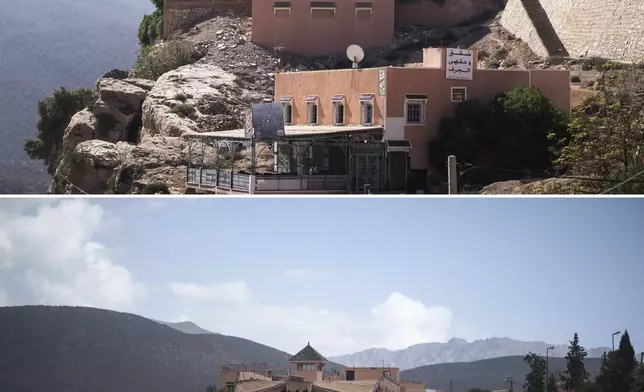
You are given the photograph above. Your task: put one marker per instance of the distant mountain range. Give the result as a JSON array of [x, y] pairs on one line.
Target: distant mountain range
[[62, 348], [187, 327], [455, 350]]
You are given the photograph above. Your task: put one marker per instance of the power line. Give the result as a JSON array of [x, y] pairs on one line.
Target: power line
[[630, 179]]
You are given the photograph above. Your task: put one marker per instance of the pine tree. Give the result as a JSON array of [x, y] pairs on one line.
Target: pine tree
[[575, 375], [616, 372], [535, 380], [552, 383]]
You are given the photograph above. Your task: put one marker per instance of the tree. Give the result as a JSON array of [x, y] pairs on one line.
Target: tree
[[536, 377], [54, 114], [575, 376], [617, 367], [478, 390], [151, 27], [605, 138], [638, 380], [510, 132], [552, 383]]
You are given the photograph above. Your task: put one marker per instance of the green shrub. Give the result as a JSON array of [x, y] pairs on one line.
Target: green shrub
[[54, 114], [151, 27], [154, 61], [575, 79], [181, 97], [183, 109]]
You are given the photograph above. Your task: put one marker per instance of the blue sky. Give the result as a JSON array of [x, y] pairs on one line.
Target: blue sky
[[356, 273]]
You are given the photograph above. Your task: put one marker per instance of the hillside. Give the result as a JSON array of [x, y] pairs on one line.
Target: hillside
[[455, 350], [487, 374], [55, 349], [186, 327]]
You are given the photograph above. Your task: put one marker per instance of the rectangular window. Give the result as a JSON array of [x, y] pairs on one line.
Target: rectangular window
[[282, 9], [305, 367], [415, 109], [312, 109], [459, 94], [338, 113], [230, 387], [363, 10], [367, 113], [288, 112], [322, 9]]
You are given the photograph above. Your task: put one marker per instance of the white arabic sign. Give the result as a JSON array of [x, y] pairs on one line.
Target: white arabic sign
[[459, 64]]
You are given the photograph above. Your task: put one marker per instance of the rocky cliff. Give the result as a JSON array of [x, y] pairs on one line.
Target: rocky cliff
[[135, 133]]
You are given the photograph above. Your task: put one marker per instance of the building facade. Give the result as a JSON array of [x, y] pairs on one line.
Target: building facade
[[306, 374], [322, 27], [408, 102]]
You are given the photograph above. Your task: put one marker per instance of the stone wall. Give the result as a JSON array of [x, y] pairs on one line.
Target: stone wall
[[611, 29], [181, 14], [451, 13]]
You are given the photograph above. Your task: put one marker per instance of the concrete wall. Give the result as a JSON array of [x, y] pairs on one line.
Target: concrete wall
[[181, 14], [301, 28], [372, 373], [610, 29], [451, 13]]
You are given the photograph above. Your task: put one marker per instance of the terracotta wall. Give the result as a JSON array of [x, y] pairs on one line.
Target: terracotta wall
[[372, 373], [301, 30], [451, 13], [326, 84], [181, 14], [411, 386]]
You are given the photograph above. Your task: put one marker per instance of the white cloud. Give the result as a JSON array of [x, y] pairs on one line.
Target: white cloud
[[395, 323], [304, 273], [235, 292], [50, 255]]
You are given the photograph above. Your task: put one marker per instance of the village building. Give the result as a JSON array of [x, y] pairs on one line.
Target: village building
[[318, 28], [308, 371], [347, 130]]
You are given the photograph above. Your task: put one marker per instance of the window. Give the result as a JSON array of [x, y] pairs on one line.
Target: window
[[312, 112], [367, 113], [282, 9], [366, 106], [363, 10], [322, 9], [415, 109], [230, 387], [306, 367], [459, 94], [338, 113], [288, 112]]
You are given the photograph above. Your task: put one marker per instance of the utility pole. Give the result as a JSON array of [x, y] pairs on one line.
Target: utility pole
[[548, 368], [452, 175], [613, 337], [450, 381]]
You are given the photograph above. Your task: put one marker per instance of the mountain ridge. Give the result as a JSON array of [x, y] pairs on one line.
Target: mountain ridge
[[453, 351]]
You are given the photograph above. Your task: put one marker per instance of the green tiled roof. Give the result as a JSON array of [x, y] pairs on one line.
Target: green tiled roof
[[308, 354]]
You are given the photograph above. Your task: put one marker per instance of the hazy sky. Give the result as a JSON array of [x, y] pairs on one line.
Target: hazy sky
[[344, 274]]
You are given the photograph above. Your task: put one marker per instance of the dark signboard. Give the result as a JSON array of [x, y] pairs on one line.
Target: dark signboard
[[268, 120]]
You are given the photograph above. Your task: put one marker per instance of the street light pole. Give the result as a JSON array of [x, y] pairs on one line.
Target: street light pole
[[548, 368], [511, 382], [613, 336]]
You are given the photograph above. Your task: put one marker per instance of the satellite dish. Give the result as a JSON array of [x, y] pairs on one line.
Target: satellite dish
[[355, 54]]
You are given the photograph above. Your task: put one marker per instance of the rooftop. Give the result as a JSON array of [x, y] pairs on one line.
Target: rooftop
[[308, 354], [294, 131], [347, 386]]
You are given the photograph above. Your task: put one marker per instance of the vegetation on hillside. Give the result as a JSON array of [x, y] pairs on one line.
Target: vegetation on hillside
[[619, 371], [510, 132], [605, 139], [54, 114], [155, 60], [601, 142], [151, 27]]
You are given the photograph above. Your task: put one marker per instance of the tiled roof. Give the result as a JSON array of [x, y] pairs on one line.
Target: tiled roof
[[346, 386], [309, 354], [256, 386]]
